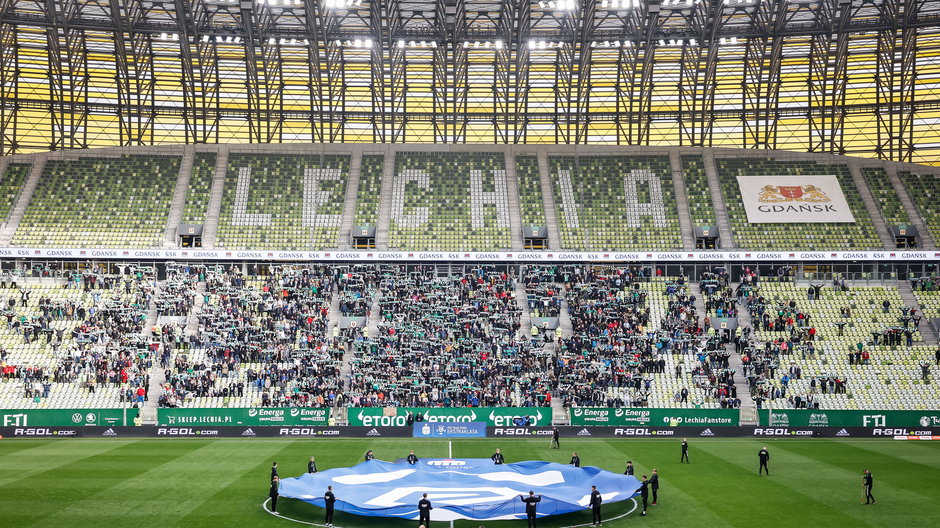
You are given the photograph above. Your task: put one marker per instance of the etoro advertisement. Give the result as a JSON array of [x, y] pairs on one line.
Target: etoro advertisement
[[493, 416]]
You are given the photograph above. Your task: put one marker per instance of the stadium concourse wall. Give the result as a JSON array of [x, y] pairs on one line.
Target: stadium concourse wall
[[212, 194]]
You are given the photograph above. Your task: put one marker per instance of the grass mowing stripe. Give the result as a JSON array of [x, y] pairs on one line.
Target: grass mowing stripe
[[49, 455], [740, 475], [198, 469], [242, 496]]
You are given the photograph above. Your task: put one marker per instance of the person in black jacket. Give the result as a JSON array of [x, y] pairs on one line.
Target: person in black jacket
[[329, 500], [274, 474], [685, 451], [312, 465], [629, 470], [530, 504], [424, 510], [412, 459], [644, 491], [497, 457], [369, 456], [654, 484], [555, 434], [275, 482], [575, 460], [764, 456], [596, 506], [867, 484]]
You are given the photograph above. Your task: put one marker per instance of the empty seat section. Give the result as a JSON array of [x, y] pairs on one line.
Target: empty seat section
[[283, 201], [615, 202], [794, 236], [200, 187], [450, 201], [100, 202]]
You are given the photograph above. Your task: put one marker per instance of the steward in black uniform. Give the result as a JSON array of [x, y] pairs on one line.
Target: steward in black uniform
[[412, 459], [555, 443], [369, 455], [274, 471], [629, 470], [654, 484], [685, 451], [644, 491], [329, 500], [497, 457], [424, 511], [867, 483], [274, 493], [764, 457], [530, 505], [596, 505], [312, 466], [575, 460]]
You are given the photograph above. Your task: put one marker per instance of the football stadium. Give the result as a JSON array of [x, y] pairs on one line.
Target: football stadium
[[469, 263]]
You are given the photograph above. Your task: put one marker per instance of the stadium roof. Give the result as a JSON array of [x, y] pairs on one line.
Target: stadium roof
[[840, 76]]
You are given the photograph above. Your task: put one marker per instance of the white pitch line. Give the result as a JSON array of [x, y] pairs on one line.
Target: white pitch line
[[264, 505]]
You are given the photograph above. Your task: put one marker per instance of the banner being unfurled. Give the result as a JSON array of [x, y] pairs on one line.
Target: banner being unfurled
[[794, 199], [474, 488]]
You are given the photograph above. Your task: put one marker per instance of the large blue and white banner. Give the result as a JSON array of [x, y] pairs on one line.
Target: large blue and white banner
[[450, 430], [472, 488]]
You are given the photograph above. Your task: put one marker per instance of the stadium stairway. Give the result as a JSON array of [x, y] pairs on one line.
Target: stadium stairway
[[548, 200], [192, 326], [333, 317], [748, 407], [385, 204], [525, 320], [515, 213], [26, 193], [926, 331], [211, 228], [349, 211], [726, 240], [179, 198], [682, 201], [564, 319], [148, 414], [926, 237], [873, 210]]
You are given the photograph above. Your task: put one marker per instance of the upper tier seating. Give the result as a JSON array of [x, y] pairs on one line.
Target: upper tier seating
[[283, 201], [615, 202], [449, 201], [782, 236], [887, 199], [696, 189], [100, 202], [370, 188], [10, 184], [924, 190], [200, 187], [531, 206]]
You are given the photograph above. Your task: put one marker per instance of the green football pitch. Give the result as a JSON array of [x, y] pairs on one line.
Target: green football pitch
[[114, 483]]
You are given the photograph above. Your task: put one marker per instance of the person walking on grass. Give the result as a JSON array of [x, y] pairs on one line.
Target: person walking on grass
[[763, 456], [866, 485]]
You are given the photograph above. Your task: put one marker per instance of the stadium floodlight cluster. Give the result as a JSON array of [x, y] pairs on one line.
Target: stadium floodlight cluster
[[402, 43], [561, 5], [339, 4]]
